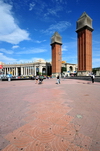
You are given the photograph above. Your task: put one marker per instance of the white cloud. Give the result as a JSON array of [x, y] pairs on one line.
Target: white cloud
[[49, 60], [60, 1], [70, 59], [6, 51], [54, 11], [70, 46], [14, 47], [96, 62], [38, 41], [64, 48], [29, 60], [36, 59], [69, 53], [32, 51], [6, 60], [31, 6], [69, 11], [9, 30], [60, 26]]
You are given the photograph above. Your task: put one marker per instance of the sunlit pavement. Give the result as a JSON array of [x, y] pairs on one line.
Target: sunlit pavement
[[49, 116]]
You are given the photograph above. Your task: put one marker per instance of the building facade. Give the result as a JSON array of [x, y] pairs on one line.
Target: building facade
[[71, 69], [26, 69]]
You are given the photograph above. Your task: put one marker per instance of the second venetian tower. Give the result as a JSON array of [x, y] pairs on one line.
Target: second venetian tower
[[84, 37]]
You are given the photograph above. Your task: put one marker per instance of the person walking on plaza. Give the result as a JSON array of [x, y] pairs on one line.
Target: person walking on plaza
[[92, 78], [58, 79], [37, 78], [41, 79]]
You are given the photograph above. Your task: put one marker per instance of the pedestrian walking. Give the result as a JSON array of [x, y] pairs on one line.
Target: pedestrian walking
[[40, 79], [64, 76], [36, 79], [92, 78], [58, 79]]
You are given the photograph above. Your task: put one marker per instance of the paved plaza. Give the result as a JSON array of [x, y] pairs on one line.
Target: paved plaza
[[49, 116]]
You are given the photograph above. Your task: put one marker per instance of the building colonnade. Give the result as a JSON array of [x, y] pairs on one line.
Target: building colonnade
[[26, 70]]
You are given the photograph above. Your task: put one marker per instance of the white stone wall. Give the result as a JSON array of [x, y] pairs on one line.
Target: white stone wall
[[70, 68], [97, 73]]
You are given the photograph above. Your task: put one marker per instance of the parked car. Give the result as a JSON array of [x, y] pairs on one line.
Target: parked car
[[33, 77]]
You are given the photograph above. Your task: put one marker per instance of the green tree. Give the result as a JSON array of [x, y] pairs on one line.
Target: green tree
[[63, 69], [40, 73]]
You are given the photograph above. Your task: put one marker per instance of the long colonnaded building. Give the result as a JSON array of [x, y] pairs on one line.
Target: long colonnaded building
[[25, 69]]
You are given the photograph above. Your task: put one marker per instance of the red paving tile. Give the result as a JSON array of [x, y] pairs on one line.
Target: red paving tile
[[10, 148], [59, 144], [35, 146], [19, 138], [50, 117]]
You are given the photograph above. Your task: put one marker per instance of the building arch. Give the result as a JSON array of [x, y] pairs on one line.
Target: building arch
[[43, 71], [70, 68]]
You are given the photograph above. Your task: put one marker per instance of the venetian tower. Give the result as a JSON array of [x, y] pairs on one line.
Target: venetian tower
[[56, 42], [84, 41]]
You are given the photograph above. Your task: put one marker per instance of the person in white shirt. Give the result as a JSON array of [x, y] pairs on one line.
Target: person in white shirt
[[92, 78]]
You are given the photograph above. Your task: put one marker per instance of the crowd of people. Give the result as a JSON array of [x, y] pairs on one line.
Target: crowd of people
[[39, 78]]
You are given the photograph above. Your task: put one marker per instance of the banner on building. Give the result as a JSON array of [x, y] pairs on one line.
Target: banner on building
[[1, 66]]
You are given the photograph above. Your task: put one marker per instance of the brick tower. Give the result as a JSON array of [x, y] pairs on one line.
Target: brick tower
[[84, 37], [56, 54]]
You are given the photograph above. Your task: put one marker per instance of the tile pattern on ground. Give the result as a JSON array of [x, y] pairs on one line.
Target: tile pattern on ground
[[49, 127]]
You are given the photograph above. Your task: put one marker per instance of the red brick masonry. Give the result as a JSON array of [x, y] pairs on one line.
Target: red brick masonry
[[85, 50]]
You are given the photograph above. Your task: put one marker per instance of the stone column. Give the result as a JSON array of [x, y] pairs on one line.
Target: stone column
[[21, 70], [26, 70], [40, 68], [16, 71], [5, 71], [35, 70], [9, 70], [32, 70]]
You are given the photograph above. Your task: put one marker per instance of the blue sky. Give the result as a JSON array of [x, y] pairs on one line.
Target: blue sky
[[26, 28]]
